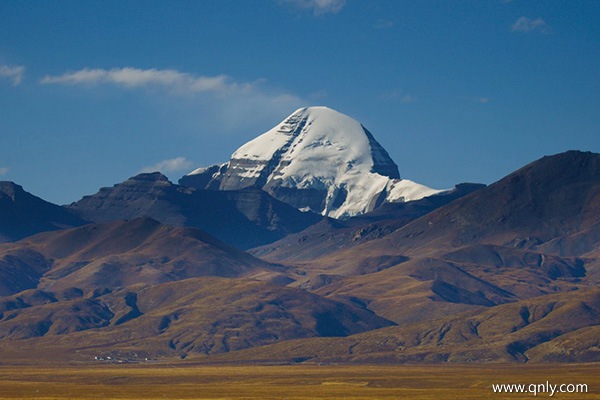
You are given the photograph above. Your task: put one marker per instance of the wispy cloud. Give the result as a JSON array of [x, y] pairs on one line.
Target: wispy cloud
[[228, 103], [384, 24], [474, 99], [3, 171], [401, 96], [170, 166], [15, 73], [173, 80], [526, 25], [407, 98], [318, 7]]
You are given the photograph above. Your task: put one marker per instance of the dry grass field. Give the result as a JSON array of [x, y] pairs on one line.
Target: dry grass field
[[289, 382]]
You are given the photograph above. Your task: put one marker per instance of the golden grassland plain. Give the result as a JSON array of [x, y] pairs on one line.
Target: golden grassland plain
[[176, 381]]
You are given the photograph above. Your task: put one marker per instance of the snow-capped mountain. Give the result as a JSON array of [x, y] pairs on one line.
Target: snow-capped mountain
[[316, 159]]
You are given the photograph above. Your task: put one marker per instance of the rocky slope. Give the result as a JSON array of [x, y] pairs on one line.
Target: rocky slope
[[508, 272], [535, 232], [109, 255], [316, 159], [205, 315], [23, 214], [242, 218], [330, 235], [554, 328]]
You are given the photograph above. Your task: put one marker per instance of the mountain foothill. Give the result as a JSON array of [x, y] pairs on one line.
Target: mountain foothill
[[307, 246]]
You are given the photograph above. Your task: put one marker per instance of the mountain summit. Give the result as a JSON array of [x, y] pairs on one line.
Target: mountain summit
[[316, 159], [23, 214]]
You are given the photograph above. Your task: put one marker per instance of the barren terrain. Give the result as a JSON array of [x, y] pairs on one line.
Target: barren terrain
[[176, 381]]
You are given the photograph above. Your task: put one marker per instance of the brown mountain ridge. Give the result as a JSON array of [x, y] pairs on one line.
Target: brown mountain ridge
[[242, 218], [512, 240], [122, 253], [508, 272]]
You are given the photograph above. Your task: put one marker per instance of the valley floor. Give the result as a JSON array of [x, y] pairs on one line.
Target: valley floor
[[177, 381]]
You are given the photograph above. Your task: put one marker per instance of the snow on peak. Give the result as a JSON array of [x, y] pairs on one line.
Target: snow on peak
[[317, 159], [319, 142], [306, 129]]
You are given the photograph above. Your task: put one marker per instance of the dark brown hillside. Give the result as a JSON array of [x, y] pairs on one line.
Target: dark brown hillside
[[509, 272], [175, 319], [532, 233], [23, 214], [552, 198], [329, 235], [542, 329], [122, 253], [242, 218], [428, 288], [20, 269]]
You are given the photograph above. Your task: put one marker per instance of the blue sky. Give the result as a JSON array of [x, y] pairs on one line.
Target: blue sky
[[94, 92]]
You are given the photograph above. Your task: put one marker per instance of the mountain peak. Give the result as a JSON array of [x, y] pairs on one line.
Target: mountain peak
[[10, 189], [316, 159], [149, 177], [311, 135], [22, 214]]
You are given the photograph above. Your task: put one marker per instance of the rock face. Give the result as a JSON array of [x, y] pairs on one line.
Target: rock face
[[317, 159], [308, 244], [243, 218], [23, 214]]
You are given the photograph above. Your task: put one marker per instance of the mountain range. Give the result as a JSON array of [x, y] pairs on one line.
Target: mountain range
[[244, 218], [307, 246]]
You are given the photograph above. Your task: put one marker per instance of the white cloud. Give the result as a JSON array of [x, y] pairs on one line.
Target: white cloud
[[15, 73], [482, 100], [3, 171], [170, 166], [318, 7], [216, 102], [525, 25], [173, 80]]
